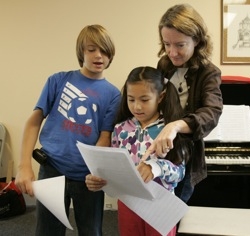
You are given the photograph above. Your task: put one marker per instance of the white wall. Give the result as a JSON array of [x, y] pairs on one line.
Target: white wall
[[38, 38]]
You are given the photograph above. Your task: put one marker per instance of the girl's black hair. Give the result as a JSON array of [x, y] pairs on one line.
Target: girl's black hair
[[169, 107]]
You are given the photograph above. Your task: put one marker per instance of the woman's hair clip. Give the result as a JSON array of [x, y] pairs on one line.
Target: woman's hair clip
[[165, 80]]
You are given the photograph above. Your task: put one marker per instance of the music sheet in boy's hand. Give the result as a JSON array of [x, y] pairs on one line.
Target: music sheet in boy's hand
[[113, 165]]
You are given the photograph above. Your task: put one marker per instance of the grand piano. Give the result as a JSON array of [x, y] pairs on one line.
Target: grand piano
[[228, 164]]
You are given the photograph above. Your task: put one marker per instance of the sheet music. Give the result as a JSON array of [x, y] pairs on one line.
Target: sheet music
[[152, 202], [113, 165], [50, 192], [233, 125], [162, 213]]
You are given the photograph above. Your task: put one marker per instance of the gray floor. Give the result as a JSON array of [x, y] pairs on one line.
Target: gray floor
[[25, 224]]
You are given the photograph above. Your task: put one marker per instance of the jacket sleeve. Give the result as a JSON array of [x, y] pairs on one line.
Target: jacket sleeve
[[166, 170], [205, 102]]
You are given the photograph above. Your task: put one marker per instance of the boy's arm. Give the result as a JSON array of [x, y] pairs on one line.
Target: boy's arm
[[25, 174], [104, 139]]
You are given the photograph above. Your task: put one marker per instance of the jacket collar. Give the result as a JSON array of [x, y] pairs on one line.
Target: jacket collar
[[160, 120], [191, 70]]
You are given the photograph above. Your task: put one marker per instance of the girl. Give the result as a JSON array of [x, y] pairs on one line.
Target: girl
[[148, 103]]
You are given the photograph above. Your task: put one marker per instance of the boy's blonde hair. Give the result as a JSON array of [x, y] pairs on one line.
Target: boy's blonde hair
[[98, 35]]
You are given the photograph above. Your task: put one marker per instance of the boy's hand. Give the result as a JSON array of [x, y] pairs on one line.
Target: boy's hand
[[24, 178]]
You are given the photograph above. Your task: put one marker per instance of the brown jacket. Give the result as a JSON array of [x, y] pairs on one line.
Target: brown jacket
[[203, 109]]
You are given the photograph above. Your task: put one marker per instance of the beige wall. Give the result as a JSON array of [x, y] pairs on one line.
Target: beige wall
[[38, 38]]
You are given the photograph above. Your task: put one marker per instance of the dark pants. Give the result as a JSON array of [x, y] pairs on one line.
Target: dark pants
[[184, 189], [88, 208]]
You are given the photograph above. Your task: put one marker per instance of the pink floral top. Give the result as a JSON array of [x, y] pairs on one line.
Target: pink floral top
[[130, 135]]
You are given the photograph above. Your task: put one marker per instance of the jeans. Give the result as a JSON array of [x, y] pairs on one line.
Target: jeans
[[184, 189], [88, 208]]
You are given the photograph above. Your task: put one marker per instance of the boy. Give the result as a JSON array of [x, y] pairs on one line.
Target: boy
[[80, 106]]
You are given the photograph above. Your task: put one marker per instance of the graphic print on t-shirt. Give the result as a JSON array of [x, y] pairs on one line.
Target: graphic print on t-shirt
[[74, 105]]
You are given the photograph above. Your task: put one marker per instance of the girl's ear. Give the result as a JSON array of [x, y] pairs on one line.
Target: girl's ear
[[162, 95]]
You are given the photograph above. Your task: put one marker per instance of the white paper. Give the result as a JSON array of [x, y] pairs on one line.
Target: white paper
[[50, 192], [233, 125], [162, 212], [113, 165]]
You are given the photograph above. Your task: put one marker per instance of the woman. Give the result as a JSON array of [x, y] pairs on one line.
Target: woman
[[185, 60]]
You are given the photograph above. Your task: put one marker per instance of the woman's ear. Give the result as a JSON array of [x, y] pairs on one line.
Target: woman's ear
[[196, 42]]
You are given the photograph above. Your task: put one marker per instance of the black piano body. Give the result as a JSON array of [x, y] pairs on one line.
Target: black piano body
[[228, 181]]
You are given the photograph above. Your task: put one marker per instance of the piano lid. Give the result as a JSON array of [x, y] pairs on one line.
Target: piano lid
[[235, 79]]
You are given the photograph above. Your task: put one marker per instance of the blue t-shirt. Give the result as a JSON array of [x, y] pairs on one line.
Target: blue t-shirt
[[76, 109]]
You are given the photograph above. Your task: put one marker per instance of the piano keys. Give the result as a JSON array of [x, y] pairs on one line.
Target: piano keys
[[227, 158]]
